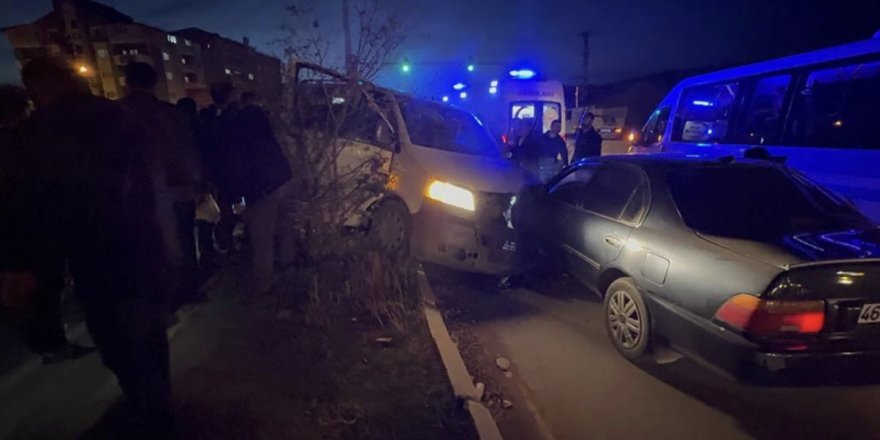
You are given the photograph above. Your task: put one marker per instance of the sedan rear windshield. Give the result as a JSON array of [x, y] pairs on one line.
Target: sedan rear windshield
[[757, 203]]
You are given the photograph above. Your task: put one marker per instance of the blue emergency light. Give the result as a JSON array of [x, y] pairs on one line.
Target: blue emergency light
[[523, 73]]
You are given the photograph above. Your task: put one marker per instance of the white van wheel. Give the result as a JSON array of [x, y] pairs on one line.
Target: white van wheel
[[390, 227]]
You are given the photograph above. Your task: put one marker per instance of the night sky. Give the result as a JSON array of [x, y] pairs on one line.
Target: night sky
[[631, 38]]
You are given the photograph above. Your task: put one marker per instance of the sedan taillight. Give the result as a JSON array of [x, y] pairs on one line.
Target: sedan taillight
[[761, 317]]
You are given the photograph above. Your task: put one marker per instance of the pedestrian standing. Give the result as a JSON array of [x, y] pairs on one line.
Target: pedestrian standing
[[257, 169], [554, 155], [207, 210], [38, 317], [216, 120], [171, 140], [588, 142], [93, 200], [527, 146]]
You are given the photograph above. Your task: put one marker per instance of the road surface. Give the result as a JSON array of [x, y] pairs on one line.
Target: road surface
[[581, 388]]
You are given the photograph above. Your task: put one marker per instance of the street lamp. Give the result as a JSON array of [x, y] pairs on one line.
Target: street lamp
[[83, 69]]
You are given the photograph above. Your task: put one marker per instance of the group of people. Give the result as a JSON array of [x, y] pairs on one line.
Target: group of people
[[545, 155], [105, 193]]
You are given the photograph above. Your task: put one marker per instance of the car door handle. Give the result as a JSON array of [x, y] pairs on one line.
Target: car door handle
[[613, 241]]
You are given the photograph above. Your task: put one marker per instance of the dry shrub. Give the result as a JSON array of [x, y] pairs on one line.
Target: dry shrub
[[378, 285]]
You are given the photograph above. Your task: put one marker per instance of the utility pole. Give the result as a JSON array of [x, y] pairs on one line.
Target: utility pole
[[346, 29], [585, 59]]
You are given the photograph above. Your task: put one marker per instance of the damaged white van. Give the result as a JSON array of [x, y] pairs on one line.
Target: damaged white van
[[447, 187]]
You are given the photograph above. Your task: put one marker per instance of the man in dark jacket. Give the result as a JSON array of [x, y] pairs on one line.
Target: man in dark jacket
[[38, 317], [91, 186], [170, 139], [588, 142], [555, 154], [256, 168]]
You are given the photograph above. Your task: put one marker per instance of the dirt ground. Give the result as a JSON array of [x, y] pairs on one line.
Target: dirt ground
[[260, 371]]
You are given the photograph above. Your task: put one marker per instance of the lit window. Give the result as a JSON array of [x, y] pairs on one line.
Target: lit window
[[165, 56], [102, 53], [187, 42], [172, 39], [125, 51], [228, 72], [209, 45], [251, 76], [133, 52], [169, 75], [121, 80], [186, 79], [182, 60]]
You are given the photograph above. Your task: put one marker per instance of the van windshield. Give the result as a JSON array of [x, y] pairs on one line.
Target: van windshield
[[445, 128]]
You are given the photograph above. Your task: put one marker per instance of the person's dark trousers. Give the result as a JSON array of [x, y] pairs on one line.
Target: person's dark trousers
[[41, 326], [185, 217], [128, 331], [207, 253]]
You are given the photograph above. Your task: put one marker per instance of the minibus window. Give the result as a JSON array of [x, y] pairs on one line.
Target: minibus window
[[705, 112], [763, 117], [838, 108], [654, 129]]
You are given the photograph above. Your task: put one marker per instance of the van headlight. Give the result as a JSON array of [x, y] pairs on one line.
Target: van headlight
[[451, 195]]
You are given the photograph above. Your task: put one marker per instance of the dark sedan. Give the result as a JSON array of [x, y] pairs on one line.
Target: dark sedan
[[745, 264]]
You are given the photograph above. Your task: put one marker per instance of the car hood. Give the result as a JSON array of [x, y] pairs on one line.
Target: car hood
[[477, 173], [807, 247]]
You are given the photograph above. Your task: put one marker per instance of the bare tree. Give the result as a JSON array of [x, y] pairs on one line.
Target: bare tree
[[379, 32], [339, 129]]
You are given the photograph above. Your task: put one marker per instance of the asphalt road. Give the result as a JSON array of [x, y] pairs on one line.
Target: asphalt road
[[582, 389]]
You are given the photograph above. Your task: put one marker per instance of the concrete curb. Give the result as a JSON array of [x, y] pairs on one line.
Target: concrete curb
[[462, 384]]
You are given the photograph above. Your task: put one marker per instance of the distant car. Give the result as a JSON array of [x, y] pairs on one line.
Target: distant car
[[743, 263]]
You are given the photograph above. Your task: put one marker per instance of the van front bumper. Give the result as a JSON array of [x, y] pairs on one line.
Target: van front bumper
[[482, 244]]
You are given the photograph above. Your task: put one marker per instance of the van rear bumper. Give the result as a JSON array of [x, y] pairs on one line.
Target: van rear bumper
[[471, 245]]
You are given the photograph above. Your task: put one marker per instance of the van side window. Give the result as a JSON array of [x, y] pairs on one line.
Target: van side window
[[705, 112], [762, 120], [837, 107], [368, 120], [330, 105]]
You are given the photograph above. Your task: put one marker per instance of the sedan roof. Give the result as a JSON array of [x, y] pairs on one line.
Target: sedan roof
[[665, 162]]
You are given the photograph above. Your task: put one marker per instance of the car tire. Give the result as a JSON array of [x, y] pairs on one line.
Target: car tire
[[390, 228], [627, 319]]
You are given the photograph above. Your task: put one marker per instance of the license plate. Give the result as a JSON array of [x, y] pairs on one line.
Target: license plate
[[870, 314]]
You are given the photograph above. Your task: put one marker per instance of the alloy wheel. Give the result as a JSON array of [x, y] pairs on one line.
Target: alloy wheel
[[624, 319]]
